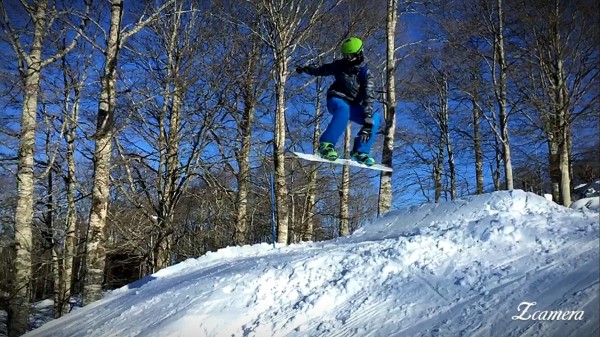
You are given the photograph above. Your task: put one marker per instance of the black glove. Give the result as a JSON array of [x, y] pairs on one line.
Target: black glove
[[365, 132], [300, 69]]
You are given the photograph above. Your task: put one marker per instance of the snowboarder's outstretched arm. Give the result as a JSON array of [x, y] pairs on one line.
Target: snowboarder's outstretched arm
[[326, 69]]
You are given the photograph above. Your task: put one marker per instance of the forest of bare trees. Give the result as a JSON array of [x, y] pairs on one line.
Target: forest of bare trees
[[135, 135]]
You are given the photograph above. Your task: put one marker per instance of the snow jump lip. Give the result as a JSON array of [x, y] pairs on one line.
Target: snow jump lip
[[457, 268]]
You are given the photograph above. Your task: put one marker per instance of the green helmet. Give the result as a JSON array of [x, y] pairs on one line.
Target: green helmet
[[352, 46]]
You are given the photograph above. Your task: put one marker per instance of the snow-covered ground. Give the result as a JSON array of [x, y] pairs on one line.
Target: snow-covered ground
[[500, 264], [592, 203]]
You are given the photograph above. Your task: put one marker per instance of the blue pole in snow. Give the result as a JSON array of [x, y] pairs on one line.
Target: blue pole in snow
[[273, 221]]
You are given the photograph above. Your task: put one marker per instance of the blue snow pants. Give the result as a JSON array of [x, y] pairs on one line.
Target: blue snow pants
[[342, 112]]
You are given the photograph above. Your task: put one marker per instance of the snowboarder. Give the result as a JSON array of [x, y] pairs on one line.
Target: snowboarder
[[350, 97]]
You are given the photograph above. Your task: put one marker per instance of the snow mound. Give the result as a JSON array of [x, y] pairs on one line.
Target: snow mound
[[592, 204], [454, 269]]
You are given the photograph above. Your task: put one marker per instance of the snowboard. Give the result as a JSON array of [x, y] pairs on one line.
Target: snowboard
[[342, 161]]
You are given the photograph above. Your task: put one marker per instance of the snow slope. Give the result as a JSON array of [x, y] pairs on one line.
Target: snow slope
[[454, 269], [592, 203]]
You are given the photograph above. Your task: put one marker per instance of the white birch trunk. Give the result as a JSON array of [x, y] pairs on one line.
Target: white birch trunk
[[96, 249], [21, 282], [563, 129], [281, 190], [344, 227], [477, 147], [241, 228], [438, 171], [446, 135], [96, 242], [502, 101], [69, 248], [287, 22], [312, 178], [565, 178], [169, 153], [385, 187]]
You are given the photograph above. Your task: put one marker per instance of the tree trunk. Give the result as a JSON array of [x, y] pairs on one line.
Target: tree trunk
[[312, 178], [281, 191], [451, 166], [563, 128], [554, 165], [438, 171], [57, 273], [567, 167], [240, 235], [164, 247], [478, 148], [497, 164], [565, 179], [344, 227], [555, 38], [293, 229], [385, 185], [96, 249], [309, 221], [564, 164], [71, 225], [21, 281], [170, 178], [445, 130], [286, 23], [169, 138], [241, 229], [502, 102]]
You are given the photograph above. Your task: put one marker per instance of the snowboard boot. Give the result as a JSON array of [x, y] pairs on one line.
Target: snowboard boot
[[327, 151], [362, 158]]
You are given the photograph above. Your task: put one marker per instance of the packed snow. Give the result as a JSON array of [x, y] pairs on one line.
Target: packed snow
[[500, 264], [587, 203]]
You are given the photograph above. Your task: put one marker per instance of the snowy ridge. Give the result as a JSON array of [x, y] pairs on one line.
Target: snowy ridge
[[453, 269], [592, 203]]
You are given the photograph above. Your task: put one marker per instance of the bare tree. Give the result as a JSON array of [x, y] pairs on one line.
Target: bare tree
[[95, 256], [96, 250], [482, 32], [431, 142], [30, 67], [65, 94], [444, 125], [385, 189], [310, 212], [311, 199], [477, 140], [250, 93], [500, 83], [285, 23], [344, 227], [64, 283], [248, 69], [437, 108], [467, 77], [560, 81], [175, 129]]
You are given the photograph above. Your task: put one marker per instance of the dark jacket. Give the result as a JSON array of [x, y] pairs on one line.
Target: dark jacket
[[347, 84]]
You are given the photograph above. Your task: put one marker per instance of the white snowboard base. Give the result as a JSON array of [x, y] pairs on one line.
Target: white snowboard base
[[342, 161]]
